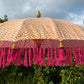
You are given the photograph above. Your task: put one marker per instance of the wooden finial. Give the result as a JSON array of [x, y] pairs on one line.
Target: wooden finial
[[61, 45], [14, 47], [38, 15]]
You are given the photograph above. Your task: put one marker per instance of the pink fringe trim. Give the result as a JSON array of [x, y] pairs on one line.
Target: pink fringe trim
[[19, 58], [48, 53], [52, 61], [69, 57], [40, 58], [44, 63], [37, 55], [76, 55], [4, 57], [30, 61], [34, 55], [57, 62], [8, 57], [55, 58], [1, 55], [25, 58]]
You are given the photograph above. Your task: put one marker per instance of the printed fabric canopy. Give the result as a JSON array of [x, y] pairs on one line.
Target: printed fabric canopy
[[28, 34]]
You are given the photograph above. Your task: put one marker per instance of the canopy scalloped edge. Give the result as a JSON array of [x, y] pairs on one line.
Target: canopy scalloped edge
[[47, 43]]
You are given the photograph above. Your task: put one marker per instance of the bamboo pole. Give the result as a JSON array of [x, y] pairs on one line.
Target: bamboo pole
[[38, 15], [38, 74]]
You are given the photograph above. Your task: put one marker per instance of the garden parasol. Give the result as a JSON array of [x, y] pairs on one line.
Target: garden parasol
[[41, 37]]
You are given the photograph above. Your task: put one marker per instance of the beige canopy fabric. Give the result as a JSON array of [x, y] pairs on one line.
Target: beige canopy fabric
[[40, 28]]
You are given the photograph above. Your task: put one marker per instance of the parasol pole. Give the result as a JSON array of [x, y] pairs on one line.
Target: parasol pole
[[38, 74], [38, 15]]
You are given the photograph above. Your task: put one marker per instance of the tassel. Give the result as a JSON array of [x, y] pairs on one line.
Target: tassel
[[34, 55], [8, 57], [71, 62], [25, 58], [44, 56], [30, 60], [13, 56], [1, 55], [69, 57], [19, 58], [4, 58], [67, 62], [80, 56], [75, 54], [48, 57], [83, 57], [37, 56], [52, 61], [40, 58], [61, 53], [56, 58]]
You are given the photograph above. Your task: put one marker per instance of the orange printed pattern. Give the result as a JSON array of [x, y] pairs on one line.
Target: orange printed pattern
[[40, 28]]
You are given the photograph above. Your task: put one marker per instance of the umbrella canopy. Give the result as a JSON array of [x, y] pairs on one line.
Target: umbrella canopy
[[52, 31], [48, 33]]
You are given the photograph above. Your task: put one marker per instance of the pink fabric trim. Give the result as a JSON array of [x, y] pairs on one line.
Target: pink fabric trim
[[57, 62], [48, 57], [34, 55], [9, 57], [13, 56], [61, 53], [30, 60], [80, 56], [40, 58], [83, 56], [75, 54], [4, 57], [71, 62], [52, 61], [19, 58], [25, 58], [1, 55], [44, 63], [69, 57], [37, 56]]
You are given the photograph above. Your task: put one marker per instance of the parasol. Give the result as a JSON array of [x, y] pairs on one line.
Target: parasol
[[53, 39]]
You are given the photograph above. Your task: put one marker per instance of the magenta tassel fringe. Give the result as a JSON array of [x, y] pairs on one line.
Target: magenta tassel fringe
[[48, 53], [30, 61], [59, 58], [83, 56], [75, 54], [14, 56], [25, 58], [57, 63], [8, 57], [80, 56], [1, 55], [44, 63], [37, 56], [52, 61], [4, 57], [69, 57], [40, 58], [61, 53], [34, 55], [19, 58]]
